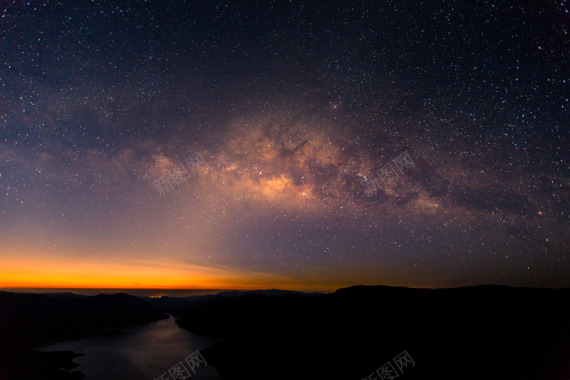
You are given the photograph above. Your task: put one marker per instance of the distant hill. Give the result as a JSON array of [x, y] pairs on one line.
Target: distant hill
[[177, 306], [484, 332]]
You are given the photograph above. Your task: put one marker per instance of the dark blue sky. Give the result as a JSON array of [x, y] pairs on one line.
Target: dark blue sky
[[293, 106]]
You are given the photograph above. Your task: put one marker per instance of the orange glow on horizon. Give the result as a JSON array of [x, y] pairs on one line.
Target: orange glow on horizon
[[55, 273]]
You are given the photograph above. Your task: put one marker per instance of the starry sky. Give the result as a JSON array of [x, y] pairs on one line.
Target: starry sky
[[230, 144]]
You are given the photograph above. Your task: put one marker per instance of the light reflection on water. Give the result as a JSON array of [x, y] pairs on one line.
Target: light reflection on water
[[141, 353]]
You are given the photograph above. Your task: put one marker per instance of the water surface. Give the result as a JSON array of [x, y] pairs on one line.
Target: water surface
[[141, 352]]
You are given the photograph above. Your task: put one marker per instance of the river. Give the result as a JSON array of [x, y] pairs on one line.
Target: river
[[140, 353]]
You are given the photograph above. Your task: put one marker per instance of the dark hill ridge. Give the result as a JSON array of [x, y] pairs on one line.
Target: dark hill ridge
[[114, 310], [36, 319], [29, 320], [484, 332], [177, 306]]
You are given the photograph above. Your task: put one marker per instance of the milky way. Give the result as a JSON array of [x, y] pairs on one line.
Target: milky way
[[294, 107]]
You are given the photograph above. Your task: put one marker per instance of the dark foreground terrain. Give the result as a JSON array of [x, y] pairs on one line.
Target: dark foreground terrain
[[486, 332], [30, 320]]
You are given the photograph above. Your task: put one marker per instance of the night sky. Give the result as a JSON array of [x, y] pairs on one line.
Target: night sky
[[210, 144]]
